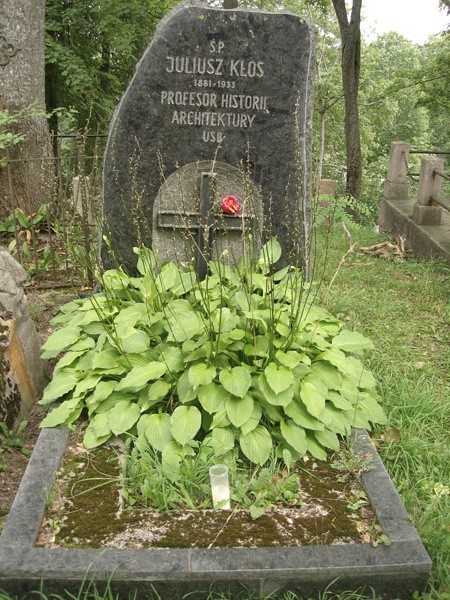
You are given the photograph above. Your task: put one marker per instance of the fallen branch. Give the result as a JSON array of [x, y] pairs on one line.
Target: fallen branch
[[387, 249]]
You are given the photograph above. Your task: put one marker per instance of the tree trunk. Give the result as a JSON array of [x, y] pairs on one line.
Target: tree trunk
[[351, 55], [24, 182]]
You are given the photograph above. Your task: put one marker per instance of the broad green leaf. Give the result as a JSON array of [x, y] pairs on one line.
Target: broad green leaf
[[131, 360], [173, 358], [97, 431], [101, 392], [149, 288], [185, 423], [270, 411], [355, 370], [220, 419], [349, 390], [281, 399], [212, 397], [314, 448], [171, 459], [89, 382], [270, 253], [367, 381], [84, 343], [278, 378], [146, 261], [167, 277], [84, 365], [104, 360], [62, 414], [335, 356], [60, 340], [352, 341], [328, 439], [360, 419], [294, 435], [337, 420], [370, 407], [183, 284], [339, 401], [135, 341], [140, 376], [130, 316], [242, 300], [62, 383], [256, 445], [301, 416], [327, 373], [94, 329], [200, 374], [182, 321], [236, 334], [239, 410], [237, 381], [222, 320], [107, 404], [259, 317], [186, 392], [284, 330], [259, 346], [156, 429], [289, 359], [158, 390], [223, 440], [123, 416], [254, 419], [312, 394], [68, 360]]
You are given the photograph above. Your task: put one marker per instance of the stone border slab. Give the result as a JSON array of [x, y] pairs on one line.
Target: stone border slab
[[393, 571]]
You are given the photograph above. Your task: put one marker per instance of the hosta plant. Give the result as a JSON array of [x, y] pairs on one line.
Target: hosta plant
[[239, 361]]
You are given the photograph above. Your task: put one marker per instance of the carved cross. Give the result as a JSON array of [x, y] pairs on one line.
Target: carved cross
[[205, 222]]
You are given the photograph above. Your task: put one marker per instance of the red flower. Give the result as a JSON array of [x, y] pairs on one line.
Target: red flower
[[231, 205]]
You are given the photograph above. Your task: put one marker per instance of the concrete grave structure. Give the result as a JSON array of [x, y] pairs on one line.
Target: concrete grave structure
[[396, 570], [231, 89]]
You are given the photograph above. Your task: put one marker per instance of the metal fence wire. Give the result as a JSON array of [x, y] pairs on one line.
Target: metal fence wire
[[55, 239]]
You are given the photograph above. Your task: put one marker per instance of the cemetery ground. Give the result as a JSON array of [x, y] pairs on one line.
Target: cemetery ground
[[403, 305]]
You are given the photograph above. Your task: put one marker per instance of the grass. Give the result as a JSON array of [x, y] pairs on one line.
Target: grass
[[404, 307]]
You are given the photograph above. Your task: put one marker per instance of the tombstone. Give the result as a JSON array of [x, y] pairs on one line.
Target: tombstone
[[21, 368], [81, 197], [221, 92]]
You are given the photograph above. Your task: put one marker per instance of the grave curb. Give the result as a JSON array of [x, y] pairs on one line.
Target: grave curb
[[394, 571]]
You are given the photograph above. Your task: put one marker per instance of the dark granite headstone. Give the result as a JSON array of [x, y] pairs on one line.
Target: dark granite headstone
[[215, 85]]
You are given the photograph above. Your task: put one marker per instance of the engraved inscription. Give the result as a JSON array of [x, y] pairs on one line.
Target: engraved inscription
[[217, 101]]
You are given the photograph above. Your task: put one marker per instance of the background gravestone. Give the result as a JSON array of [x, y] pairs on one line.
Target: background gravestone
[[232, 86]]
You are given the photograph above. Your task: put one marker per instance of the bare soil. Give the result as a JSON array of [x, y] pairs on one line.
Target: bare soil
[[42, 304]]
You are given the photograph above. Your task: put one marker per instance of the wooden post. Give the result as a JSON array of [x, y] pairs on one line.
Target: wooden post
[[430, 188]]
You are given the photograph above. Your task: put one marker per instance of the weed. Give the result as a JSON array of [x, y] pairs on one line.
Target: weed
[[12, 439]]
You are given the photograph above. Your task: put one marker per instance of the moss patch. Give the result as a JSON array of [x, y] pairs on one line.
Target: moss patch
[[86, 512]]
